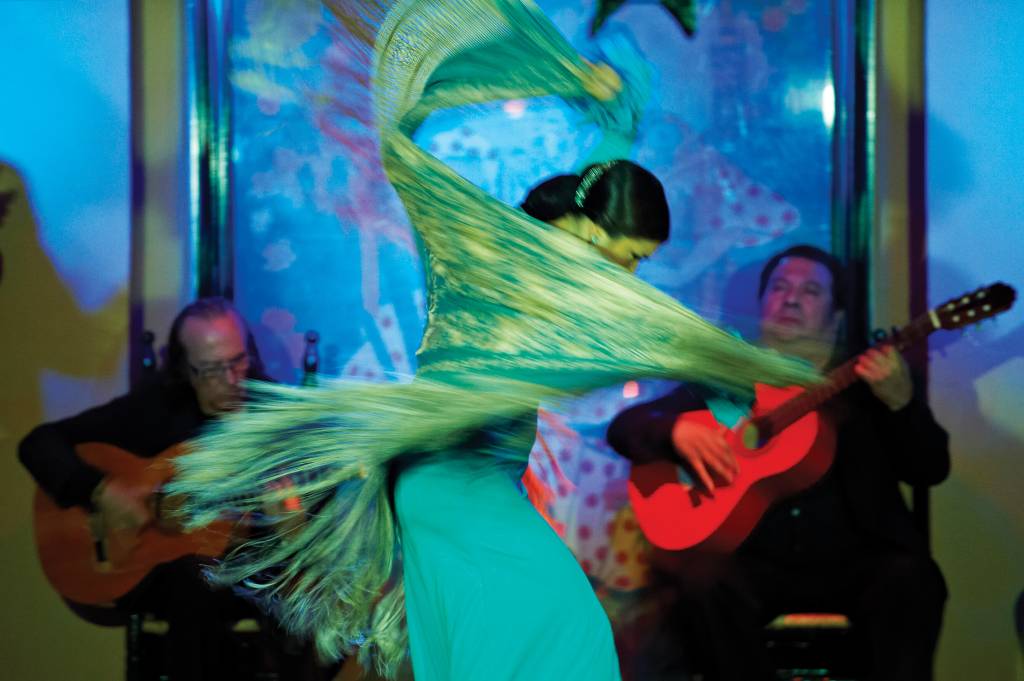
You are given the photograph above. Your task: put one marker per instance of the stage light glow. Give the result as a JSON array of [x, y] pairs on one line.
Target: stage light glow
[[514, 108], [631, 390], [814, 95], [828, 104]]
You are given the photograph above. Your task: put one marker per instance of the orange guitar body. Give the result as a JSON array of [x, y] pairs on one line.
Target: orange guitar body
[[87, 565], [676, 516]]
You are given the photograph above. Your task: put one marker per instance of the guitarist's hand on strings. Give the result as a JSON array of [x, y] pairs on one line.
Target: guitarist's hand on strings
[[886, 373], [705, 450], [288, 514], [122, 505]]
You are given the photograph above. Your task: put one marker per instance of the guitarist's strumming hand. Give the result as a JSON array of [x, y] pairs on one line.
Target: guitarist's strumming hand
[[705, 451], [288, 512], [886, 373], [121, 505]]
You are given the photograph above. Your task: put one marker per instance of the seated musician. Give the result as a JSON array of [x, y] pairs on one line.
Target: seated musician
[[847, 544], [210, 354]]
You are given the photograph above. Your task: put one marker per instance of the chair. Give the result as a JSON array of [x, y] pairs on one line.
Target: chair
[[247, 656], [806, 646], [109, 616]]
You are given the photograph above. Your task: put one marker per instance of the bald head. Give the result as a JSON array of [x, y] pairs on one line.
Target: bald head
[[218, 359]]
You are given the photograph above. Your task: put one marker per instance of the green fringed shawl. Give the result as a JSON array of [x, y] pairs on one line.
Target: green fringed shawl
[[518, 313]]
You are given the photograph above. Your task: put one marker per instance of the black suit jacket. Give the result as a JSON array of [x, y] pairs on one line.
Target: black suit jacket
[[143, 422]]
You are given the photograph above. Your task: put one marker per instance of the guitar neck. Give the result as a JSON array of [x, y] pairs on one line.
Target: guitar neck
[[838, 380]]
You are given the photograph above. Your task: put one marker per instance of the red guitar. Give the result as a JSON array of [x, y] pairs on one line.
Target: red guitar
[[781, 448], [89, 565]]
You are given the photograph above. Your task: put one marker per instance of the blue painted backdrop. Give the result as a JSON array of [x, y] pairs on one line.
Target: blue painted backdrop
[[739, 128]]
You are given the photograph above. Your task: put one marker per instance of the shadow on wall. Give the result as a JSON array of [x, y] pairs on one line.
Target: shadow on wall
[[950, 170], [43, 330], [977, 352], [7, 196], [976, 379]]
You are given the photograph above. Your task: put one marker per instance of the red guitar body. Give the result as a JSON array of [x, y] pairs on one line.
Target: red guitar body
[[88, 565], [679, 516], [675, 516]]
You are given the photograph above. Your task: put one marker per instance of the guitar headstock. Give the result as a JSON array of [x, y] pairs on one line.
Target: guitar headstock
[[969, 308]]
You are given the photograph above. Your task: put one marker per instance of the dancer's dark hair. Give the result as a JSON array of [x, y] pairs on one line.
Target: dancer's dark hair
[[622, 197]]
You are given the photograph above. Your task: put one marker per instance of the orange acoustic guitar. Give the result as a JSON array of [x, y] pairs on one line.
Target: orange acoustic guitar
[[781, 448], [89, 564]]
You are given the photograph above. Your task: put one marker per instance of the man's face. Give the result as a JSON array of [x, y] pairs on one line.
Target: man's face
[[218, 361], [797, 304]]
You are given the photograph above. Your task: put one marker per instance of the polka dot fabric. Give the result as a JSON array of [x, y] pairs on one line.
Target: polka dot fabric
[[590, 503]]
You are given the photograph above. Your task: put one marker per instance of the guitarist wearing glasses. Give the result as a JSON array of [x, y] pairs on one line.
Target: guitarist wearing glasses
[[210, 355], [846, 543]]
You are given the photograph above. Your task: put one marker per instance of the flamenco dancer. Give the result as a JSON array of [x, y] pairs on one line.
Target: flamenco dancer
[[523, 306]]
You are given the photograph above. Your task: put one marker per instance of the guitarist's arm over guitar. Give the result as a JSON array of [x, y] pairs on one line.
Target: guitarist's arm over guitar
[[90, 495], [145, 422], [643, 433]]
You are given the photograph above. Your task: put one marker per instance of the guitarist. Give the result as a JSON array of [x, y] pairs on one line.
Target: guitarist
[[848, 544], [210, 353]]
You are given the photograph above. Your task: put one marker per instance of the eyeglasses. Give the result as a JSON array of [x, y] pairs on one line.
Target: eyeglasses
[[237, 365]]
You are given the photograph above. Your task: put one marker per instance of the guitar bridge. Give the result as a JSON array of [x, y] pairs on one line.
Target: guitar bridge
[[99, 542]]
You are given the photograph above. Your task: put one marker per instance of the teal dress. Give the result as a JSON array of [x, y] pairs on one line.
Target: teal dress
[[518, 313], [491, 592]]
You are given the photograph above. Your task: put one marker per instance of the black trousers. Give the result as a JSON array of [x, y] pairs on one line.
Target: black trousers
[[714, 626]]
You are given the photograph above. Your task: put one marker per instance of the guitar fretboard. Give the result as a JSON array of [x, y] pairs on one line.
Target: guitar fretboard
[[838, 380]]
